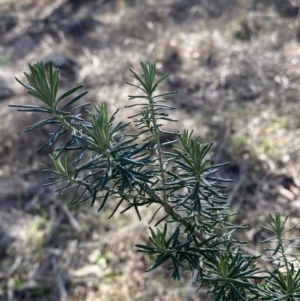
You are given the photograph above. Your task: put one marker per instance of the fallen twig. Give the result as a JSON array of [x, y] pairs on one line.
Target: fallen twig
[[73, 222], [60, 283]]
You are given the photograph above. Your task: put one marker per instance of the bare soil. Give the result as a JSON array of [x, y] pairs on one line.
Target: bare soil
[[235, 67]]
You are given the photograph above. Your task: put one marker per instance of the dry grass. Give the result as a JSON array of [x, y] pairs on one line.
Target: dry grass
[[237, 77]]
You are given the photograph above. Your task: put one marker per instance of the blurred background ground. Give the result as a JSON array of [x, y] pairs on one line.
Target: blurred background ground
[[235, 67]]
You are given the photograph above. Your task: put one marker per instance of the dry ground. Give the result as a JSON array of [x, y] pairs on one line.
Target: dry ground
[[235, 67]]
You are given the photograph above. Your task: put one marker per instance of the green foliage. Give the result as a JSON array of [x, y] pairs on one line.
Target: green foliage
[[110, 164], [284, 281]]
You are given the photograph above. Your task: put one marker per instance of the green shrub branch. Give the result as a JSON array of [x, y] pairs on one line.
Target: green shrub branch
[[110, 165]]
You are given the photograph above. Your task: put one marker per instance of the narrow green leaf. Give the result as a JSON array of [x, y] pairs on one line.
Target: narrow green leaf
[[69, 92], [162, 79], [41, 123], [237, 293], [116, 208], [74, 100]]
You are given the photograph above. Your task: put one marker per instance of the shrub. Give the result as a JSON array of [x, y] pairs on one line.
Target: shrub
[[139, 170]]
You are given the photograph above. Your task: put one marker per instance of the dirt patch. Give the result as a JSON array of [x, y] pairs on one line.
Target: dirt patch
[[235, 66]]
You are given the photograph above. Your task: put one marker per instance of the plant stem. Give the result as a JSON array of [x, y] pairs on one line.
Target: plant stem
[[169, 209], [157, 141]]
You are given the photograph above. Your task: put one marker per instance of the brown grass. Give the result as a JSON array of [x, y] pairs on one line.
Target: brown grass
[[237, 77]]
